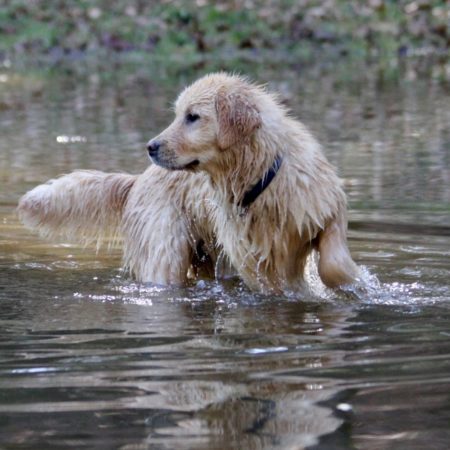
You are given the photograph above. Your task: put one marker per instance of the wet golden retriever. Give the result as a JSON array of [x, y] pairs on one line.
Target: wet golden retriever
[[234, 177]]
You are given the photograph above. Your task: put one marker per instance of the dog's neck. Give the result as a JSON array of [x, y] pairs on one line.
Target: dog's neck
[[241, 176], [261, 185]]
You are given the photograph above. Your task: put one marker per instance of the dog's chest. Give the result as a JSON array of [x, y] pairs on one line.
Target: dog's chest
[[261, 248]]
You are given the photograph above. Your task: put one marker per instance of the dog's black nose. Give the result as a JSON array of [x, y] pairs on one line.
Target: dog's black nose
[[153, 147]]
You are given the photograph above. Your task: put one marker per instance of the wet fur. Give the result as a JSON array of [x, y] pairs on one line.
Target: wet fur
[[167, 214]]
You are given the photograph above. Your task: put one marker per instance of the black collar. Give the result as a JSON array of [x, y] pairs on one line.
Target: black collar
[[252, 194]]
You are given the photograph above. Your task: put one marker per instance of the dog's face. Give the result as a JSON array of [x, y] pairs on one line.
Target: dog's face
[[213, 115]]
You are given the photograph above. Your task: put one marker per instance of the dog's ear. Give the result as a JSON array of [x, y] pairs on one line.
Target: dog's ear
[[238, 118]]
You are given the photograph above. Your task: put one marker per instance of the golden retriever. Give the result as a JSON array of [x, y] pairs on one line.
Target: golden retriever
[[234, 177]]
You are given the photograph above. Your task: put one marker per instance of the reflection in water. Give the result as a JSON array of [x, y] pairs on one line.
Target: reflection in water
[[188, 372], [90, 359]]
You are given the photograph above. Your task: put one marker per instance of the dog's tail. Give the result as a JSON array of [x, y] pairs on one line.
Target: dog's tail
[[84, 206]]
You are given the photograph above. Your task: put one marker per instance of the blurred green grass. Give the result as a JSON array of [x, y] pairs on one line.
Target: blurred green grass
[[189, 31]]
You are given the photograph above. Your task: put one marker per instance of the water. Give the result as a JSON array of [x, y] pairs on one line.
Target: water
[[90, 359]]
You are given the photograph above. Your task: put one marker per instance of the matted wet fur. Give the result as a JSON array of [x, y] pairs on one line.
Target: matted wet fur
[[183, 212]]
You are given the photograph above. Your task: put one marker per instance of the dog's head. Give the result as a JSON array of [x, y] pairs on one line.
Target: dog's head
[[216, 113]]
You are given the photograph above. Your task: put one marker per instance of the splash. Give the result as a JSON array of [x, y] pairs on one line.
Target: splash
[[368, 289], [231, 292]]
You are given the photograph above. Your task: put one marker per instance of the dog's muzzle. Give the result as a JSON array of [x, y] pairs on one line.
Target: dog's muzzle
[[162, 160]]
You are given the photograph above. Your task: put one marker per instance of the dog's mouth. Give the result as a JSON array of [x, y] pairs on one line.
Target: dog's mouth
[[156, 159], [192, 165]]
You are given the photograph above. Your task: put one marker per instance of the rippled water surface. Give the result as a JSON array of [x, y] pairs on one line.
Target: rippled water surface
[[90, 359]]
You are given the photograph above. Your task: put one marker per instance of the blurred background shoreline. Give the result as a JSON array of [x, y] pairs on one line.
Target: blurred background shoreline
[[403, 37]]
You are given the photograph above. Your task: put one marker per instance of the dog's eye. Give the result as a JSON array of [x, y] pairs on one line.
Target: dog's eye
[[191, 118]]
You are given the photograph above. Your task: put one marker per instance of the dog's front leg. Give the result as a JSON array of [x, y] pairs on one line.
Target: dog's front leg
[[336, 266]]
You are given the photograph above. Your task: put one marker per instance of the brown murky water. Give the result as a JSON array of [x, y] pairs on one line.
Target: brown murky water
[[90, 359]]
